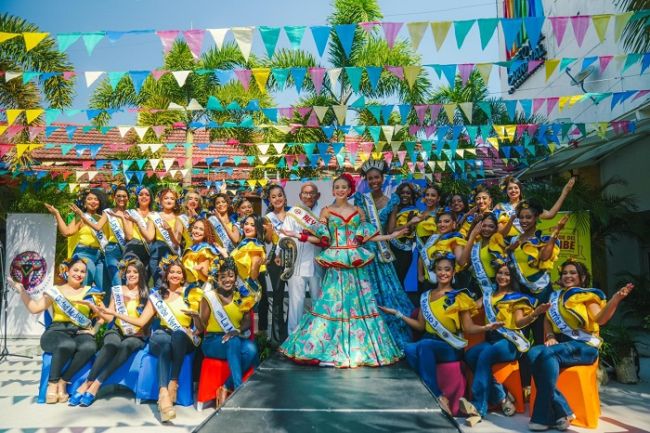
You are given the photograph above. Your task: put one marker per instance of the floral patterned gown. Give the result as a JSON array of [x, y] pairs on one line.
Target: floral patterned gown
[[344, 328]]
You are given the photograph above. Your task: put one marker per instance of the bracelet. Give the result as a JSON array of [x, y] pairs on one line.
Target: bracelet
[[399, 314], [303, 237]]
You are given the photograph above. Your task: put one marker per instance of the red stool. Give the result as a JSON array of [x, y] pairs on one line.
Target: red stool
[[451, 382], [215, 372], [579, 385]]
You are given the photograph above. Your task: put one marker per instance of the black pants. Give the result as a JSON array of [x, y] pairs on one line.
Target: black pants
[[115, 351], [65, 343], [170, 347], [278, 325], [402, 263]]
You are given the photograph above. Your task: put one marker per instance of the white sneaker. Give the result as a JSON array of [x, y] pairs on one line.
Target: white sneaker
[[533, 426]]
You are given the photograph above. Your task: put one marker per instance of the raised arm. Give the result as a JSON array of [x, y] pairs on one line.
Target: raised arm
[[65, 229], [549, 214], [95, 225], [547, 250], [602, 316], [34, 306]]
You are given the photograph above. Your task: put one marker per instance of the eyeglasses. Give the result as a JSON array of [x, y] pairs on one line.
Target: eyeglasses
[[309, 194]]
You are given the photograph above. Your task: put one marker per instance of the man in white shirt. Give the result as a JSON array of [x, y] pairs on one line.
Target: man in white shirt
[[306, 272]]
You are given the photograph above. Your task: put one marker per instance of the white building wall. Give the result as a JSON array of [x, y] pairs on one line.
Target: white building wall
[[559, 84]]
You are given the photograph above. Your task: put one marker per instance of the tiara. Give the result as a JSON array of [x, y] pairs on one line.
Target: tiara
[[371, 163]]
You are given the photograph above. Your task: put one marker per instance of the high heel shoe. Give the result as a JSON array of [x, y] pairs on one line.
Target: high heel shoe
[[63, 397], [222, 395], [166, 413], [75, 399], [87, 399], [173, 392]]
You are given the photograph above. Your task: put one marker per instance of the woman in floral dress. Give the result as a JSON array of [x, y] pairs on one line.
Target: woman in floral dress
[[344, 328]]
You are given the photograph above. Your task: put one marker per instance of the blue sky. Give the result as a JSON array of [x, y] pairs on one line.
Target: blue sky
[[143, 52]]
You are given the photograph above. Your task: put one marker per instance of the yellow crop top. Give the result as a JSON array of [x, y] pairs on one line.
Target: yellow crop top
[[505, 304], [233, 312], [243, 256], [574, 308], [447, 310], [528, 252]]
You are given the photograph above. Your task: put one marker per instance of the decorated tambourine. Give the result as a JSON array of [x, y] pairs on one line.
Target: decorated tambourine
[[29, 269]]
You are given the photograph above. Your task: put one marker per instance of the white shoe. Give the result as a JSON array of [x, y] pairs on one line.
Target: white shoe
[[563, 424], [533, 426]]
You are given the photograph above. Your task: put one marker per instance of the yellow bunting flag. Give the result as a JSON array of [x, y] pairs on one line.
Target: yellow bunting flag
[[411, 74], [33, 39], [251, 183], [33, 114], [4, 36], [600, 25], [602, 129], [484, 69], [440, 30], [12, 114], [21, 148], [450, 109], [550, 66], [494, 142], [466, 108], [620, 21], [261, 76], [561, 103], [3, 128], [416, 32], [263, 182], [340, 111]]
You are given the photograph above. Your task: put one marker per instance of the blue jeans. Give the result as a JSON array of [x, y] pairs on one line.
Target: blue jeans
[[95, 264], [113, 255], [546, 362], [241, 354], [158, 250], [424, 355], [170, 347], [481, 358]]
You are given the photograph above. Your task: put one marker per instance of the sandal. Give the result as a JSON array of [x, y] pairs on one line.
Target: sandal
[[508, 405], [51, 395], [167, 413], [222, 395], [63, 397], [173, 391], [443, 402]]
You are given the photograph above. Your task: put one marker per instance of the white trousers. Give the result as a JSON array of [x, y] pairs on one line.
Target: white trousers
[[297, 286]]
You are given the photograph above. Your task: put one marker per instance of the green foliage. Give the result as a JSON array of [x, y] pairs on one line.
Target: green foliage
[[636, 37]]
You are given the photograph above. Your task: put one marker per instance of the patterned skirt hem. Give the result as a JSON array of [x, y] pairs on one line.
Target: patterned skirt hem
[[315, 361]]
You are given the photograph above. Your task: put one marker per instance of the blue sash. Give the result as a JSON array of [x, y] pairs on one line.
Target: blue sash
[[166, 314], [385, 254]]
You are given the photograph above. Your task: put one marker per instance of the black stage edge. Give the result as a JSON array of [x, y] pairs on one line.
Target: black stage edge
[[285, 397]]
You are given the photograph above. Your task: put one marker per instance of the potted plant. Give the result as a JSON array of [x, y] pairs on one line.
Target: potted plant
[[619, 352]]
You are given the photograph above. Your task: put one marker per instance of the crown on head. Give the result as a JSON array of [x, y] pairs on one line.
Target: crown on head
[[371, 163]]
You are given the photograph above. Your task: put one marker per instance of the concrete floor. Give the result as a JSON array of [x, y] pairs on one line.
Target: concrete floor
[[625, 408]]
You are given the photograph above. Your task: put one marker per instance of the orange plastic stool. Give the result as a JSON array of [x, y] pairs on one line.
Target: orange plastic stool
[[579, 386], [507, 374], [474, 339]]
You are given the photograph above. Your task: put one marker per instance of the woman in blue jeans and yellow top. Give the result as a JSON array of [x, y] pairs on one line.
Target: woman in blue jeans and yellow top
[[444, 313], [169, 232], [121, 339], [116, 235], [90, 242], [70, 337], [174, 305], [404, 214], [572, 326], [425, 227], [224, 323]]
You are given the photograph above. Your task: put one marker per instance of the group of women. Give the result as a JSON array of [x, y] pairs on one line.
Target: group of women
[[208, 270]]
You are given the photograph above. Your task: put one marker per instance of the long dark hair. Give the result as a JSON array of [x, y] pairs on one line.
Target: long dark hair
[[165, 265], [267, 195], [132, 260], [101, 197], [259, 226], [583, 272]]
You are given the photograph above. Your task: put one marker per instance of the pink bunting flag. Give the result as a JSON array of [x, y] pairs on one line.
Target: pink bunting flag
[[465, 69], [534, 64], [537, 104], [156, 74], [429, 130], [435, 111], [413, 129], [390, 32], [317, 75], [603, 61], [532, 129], [167, 38], [401, 154], [398, 71], [580, 24], [641, 94], [158, 129], [194, 39], [521, 128], [550, 104], [68, 74], [244, 77], [388, 158], [12, 131], [352, 146], [290, 159], [369, 26], [421, 111], [313, 120], [559, 27], [35, 131], [286, 112], [303, 111], [366, 146]]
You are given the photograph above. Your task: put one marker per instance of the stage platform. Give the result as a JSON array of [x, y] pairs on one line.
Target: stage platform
[[285, 397]]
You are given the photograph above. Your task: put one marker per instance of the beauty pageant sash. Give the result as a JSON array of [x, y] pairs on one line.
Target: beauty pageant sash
[[442, 332], [166, 314], [120, 307], [385, 254], [68, 309], [575, 334]]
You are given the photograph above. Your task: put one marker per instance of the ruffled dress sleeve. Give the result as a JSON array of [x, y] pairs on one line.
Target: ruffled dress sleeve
[[577, 304], [426, 227], [193, 297], [243, 256], [533, 247], [460, 301], [512, 302]]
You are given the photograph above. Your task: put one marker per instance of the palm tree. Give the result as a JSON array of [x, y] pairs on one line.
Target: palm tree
[[368, 49], [57, 92], [199, 86], [636, 38]]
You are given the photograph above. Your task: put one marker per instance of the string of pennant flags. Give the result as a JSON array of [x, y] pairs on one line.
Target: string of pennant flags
[[244, 36], [407, 73], [314, 115]]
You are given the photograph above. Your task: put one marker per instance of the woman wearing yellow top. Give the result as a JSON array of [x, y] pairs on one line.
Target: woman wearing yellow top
[[571, 326], [446, 240], [444, 313], [223, 338], [169, 232], [250, 258], [121, 339], [175, 306], [70, 337], [199, 256], [116, 234], [425, 227], [482, 206], [190, 209], [403, 215], [227, 234], [515, 193], [516, 310], [91, 243], [138, 228]]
